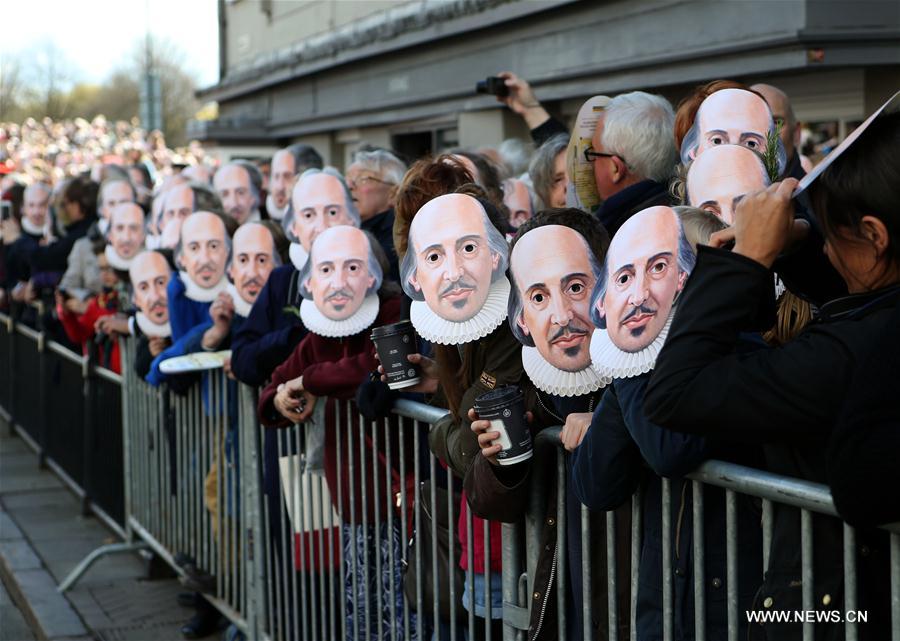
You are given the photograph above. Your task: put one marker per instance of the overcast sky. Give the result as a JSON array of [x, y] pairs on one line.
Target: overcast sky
[[95, 35]]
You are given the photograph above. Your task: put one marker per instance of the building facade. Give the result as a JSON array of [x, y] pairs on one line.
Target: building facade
[[402, 74]]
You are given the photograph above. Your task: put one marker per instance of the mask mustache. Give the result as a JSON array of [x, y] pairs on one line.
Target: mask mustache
[[156, 305], [571, 329], [208, 266], [640, 309], [252, 282], [341, 293], [459, 284]]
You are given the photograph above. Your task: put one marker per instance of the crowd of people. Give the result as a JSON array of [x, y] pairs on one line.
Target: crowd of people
[[669, 289]]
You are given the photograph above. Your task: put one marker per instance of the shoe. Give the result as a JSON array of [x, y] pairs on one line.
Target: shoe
[[198, 580], [202, 624], [187, 599]]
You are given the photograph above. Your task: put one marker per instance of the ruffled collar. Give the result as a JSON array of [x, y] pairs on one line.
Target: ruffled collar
[[202, 294], [553, 380], [273, 210], [612, 362], [151, 329], [241, 307], [30, 228], [439, 330], [318, 323], [298, 255], [115, 259]]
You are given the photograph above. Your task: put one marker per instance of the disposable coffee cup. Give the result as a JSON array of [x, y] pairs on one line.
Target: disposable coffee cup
[[394, 343], [505, 409]]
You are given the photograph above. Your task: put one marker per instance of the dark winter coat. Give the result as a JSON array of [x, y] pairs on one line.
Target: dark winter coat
[[787, 399]]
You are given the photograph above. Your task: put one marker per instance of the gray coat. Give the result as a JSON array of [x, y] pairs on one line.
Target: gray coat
[[82, 277]]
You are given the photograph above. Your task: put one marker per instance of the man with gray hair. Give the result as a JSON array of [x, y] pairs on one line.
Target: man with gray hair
[[373, 178], [633, 154], [238, 185]]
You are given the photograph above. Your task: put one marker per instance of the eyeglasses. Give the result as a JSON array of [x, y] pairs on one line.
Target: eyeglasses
[[352, 183], [590, 155]]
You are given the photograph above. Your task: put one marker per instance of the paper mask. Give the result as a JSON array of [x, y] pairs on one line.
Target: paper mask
[[454, 271], [126, 235], [150, 276], [340, 283], [889, 107], [582, 190], [719, 178], [320, 200], [203, 249], [252, 260], [732, 117], [554, 272], [648, 262]]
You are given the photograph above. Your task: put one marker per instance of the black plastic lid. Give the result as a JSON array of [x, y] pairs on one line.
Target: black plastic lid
[[499, 397], [402, 327]]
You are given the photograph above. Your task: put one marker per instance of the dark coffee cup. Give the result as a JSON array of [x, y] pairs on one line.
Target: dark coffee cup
[[505, 409], [394, 343]]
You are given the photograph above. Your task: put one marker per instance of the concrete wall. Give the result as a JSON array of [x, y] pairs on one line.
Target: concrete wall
[[837, 60], [252, 32]]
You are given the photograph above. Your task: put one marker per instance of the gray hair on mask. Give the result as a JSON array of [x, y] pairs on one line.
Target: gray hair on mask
[[516, 306], [287, 222], [496, 242], [686, 261], [691, 141], [371, 262]]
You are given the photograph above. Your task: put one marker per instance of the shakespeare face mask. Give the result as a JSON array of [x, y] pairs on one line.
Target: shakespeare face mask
[[648, 262], [454, 271], [553, 273]]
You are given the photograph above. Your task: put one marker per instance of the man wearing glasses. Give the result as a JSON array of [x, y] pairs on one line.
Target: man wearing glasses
[[373, 178], [634, 156]]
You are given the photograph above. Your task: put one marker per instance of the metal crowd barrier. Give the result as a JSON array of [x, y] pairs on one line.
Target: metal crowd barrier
[[67, 409], [276, 536]]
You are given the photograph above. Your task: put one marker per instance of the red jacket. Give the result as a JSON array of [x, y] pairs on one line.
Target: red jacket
[[332, 369], [80, 328]]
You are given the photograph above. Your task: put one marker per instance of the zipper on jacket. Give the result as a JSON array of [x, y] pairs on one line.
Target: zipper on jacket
[[540, 623]]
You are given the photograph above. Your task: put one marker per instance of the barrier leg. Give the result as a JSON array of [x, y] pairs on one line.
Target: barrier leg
[[90, 559]]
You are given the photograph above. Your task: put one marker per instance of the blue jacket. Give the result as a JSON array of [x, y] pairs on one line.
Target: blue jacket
[[270, 333], [611, 464], [184, 313]]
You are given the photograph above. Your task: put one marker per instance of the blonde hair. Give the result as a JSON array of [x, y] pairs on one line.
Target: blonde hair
[[698, 224]]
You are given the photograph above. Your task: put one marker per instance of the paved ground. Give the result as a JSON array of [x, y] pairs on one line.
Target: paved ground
[[42, 537], [13, 626]]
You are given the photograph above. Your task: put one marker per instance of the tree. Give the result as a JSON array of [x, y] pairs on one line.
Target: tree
[[177, 86], [12, 88], [45, 87]]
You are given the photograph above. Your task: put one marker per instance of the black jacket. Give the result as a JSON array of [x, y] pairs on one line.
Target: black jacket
[[786, 398], [54, 257], [382, 227], [621, 206], [610, 465], [546, 130], [271, 331], [862, 454], [18, 257]]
